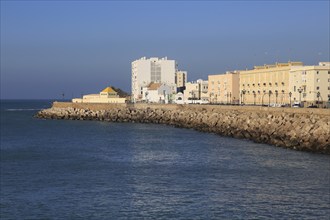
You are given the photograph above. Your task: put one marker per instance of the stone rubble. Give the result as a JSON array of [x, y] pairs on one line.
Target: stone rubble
[[305, 132]]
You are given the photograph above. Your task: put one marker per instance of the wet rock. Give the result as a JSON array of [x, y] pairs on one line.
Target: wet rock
[[307, 132]]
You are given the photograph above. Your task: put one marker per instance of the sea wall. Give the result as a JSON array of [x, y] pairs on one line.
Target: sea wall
[[299, 129]]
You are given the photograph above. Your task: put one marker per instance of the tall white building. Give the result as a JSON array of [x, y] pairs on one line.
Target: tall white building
[[154, 69]]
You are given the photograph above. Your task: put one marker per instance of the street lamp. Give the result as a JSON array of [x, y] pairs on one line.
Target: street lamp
[[242, 96], [276, 94], [147, 93], [300, 91], [290, 94], [269, 94], [262, 98], [230, 98], [318, 95], [191, 96]]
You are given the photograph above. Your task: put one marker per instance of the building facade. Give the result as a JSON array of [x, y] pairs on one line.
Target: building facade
[[153, 70], [310, 85], [181, 79], [224, 88], [196, 92], [157, 93], [107, 95], [266, 85]]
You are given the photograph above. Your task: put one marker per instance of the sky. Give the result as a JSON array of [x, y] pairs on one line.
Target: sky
[[79, 47]]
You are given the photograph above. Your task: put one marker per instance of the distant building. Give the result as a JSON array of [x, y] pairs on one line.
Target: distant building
[[267, 85], [107, 95], [310, 85], [224, 88], [157, 93], [180, 80], [179, 98], [196, 92], [153, 70]]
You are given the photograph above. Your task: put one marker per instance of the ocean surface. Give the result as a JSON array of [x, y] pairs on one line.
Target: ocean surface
[[57, 169]]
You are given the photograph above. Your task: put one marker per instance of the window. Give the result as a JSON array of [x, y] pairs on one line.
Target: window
[[317, 72], [317, 80], [317, 88]]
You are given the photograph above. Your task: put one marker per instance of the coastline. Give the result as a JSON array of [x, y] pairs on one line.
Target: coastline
[[298, 129]]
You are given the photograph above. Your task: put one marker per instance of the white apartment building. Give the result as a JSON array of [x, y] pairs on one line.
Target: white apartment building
[[310, 85], [152, 70]]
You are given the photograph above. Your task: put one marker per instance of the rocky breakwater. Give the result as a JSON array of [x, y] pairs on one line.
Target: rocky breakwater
[[300, 131]]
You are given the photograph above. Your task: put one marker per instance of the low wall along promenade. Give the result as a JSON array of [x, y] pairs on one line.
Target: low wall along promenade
[[299, 129]]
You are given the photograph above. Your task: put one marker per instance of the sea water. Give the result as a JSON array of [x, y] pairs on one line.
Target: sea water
[[63, 169]]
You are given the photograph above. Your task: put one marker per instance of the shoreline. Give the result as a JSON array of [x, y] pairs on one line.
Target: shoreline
[[298, 129]]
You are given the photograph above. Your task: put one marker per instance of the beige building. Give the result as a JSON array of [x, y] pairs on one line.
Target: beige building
[[224, 88], [107, 95], [196, 92], [310, 85], [180, 78], [267, 85]]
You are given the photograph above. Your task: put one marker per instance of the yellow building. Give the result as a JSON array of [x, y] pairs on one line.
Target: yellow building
[[196, 92], [180, 78], [267, 85], [224, 88], [107, 95], [310, 85]]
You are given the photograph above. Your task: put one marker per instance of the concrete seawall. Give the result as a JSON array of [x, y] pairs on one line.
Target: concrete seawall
[[299, 129]]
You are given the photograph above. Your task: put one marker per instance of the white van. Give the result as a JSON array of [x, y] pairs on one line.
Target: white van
[[296, 105]]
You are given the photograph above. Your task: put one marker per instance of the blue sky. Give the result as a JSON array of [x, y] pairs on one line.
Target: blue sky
[[80, 47]]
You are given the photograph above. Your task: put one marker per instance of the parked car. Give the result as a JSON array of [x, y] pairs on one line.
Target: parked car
[[296, 105], [312, 106]]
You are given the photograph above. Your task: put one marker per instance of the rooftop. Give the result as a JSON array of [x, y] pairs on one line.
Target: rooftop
[[109, 90]]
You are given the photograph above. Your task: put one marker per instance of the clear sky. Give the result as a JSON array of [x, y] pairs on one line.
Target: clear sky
[[80, 47]]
